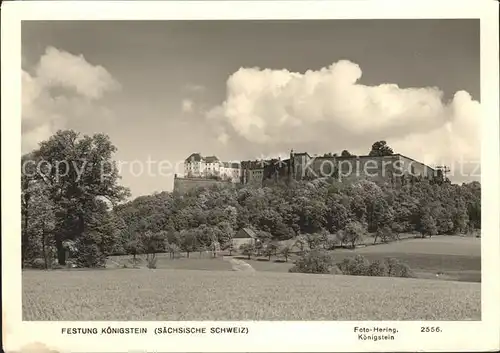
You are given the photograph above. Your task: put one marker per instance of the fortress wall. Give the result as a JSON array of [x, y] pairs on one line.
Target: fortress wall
[[413, 167], [184, 185]]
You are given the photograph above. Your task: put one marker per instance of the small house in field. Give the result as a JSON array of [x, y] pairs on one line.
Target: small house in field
[[244, 236]]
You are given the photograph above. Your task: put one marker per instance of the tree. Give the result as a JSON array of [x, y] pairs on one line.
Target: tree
[[346, 153], [314, 240], [38, 222], [172, 249], [301, 242], [27, 171], [229, 246], [381, 214], [153, 243], [134, 246], [77, 171], [380, 149], [285, 251], [337, 215], [270, 249], [100, 235], [384, 233], [427, 224], [225, 234], [247, 249], [341, 236], [188, 241], [354, 232]]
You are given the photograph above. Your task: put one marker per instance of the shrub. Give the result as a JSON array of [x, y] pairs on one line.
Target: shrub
[[357, 266], [38, 263], [360, 266], [315, 261], [88, 250], [90, 256], [377, 269], [395, 268]]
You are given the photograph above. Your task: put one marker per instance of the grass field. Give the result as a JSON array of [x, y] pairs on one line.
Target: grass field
[[194, 262], [452, 258], [143, 294], [205, 288]]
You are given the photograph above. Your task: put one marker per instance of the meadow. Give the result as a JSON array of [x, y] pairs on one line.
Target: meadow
[[205, 288], [449, 257], [452, 258], [161, 294]]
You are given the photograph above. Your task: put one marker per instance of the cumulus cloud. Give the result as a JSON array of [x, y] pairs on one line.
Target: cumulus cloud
[[61, 87], [187, 105], [328, 110]]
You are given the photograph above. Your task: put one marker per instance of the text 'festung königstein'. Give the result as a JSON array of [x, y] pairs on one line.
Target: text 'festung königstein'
[[157, 331]]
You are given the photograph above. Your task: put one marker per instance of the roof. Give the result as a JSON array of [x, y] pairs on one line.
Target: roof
[[211, 159], [382, 157], [259, 165], [302, 154], [194, 157], [245, 233]]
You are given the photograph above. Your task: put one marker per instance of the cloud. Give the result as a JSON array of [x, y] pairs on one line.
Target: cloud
[[194, 88], [328, 110], [61, 87], [223, 138], [187, 106]]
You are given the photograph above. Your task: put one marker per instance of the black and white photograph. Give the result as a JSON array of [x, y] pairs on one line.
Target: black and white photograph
[[252, 170]]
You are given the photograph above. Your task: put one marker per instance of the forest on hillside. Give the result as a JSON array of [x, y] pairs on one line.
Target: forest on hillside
[[86, 213]]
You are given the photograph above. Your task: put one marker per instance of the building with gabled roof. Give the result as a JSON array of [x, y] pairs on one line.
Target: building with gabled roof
[[194, 157], [211, 167], [244, 236]]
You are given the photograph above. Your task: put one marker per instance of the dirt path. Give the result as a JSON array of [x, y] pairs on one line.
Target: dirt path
[[239, 265]]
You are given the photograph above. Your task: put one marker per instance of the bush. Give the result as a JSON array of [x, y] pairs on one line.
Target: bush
[[360, 266], [395, 268], [357, 266], [315, 261], [90, 255], [377, 269], [38, 263]]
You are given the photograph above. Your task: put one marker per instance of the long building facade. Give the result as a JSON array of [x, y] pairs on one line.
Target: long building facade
[[302, 166], [394, 168]]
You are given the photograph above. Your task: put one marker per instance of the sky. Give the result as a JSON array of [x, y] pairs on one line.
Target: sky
[[252, 89]]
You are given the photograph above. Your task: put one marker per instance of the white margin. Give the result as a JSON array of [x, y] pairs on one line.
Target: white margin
[[265, 336]]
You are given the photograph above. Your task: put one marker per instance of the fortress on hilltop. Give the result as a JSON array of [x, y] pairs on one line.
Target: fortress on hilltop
[[393, 168]]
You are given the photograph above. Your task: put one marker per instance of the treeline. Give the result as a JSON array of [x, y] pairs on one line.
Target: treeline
[[320, 214], [88, 219]]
